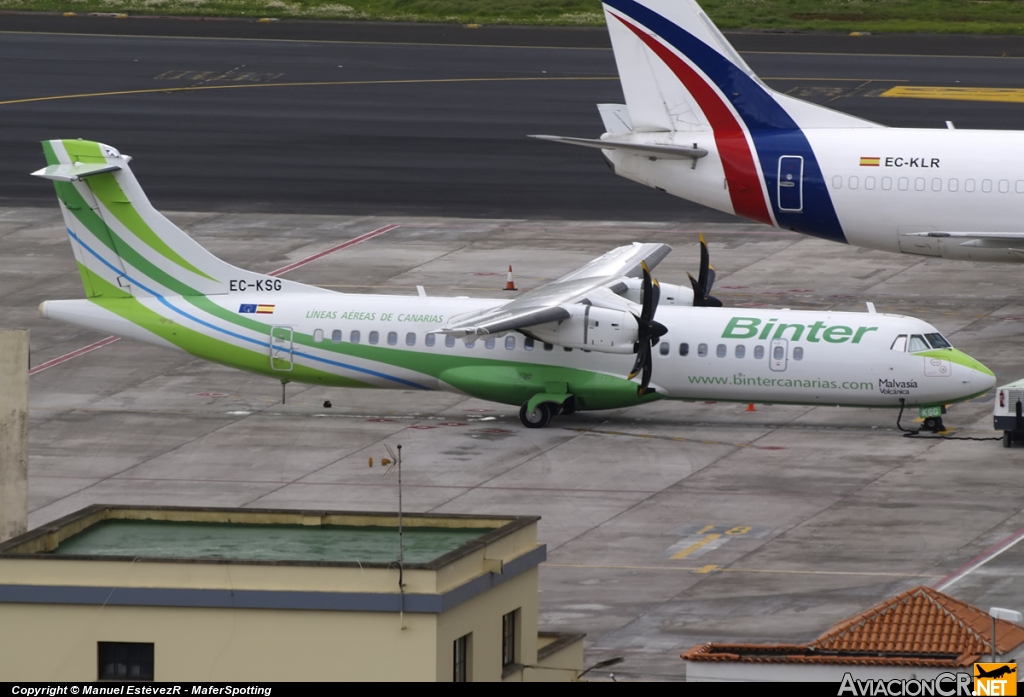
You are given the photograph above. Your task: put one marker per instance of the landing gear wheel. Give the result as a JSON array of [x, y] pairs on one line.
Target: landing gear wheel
[[933, 424], [568, 407], [539, 418], [1007, 439]]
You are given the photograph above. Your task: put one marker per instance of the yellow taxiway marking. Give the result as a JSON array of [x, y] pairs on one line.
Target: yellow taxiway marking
[[794, 572], [706, 540], [962, 94], [332, 83], [707, 569]]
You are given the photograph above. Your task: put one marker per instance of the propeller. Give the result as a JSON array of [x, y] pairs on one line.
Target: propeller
[[702, 284], [648, 331]]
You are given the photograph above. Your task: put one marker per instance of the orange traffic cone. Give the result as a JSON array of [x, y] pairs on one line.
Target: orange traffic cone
[[750, 407], [510, 284]]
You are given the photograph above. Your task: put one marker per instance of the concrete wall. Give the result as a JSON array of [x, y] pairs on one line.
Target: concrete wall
[[707, 671], [13, 433], [59, 643]]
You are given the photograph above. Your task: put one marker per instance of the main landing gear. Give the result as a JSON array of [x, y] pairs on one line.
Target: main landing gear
[[545, 411]]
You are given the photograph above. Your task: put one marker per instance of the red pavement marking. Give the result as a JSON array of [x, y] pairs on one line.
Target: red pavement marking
[[980, 560], [284, 269]]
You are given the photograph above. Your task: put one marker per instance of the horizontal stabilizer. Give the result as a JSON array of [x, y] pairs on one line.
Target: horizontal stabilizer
[[75, 172], [662, 151]]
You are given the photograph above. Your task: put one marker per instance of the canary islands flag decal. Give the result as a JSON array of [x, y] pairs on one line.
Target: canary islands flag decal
[[246, 309], [870, 161]]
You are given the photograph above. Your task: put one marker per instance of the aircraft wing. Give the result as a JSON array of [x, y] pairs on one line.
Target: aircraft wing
[[549, 302]]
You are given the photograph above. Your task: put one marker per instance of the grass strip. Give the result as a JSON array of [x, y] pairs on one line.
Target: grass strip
[[932, 16]]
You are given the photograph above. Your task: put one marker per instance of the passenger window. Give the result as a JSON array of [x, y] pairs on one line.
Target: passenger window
[[854, 182], [336, 336], [741, 350], [354, 336], [470, 344], [410, 339], [1004, 186], [1020, 187], [869, 183], [778, 353], [392, 338], [919, 184], [903, 184], [528, 344], [429, 339], [759, 352], [374, 337], [936, 185], [489, 342], [684, 349], [664, 348], [702, 350], [969, 186], [900, 344], [954, 185], [720, 351], [937, 341], [986, 186], [548, 347], [917, 343], [510, 342], [798, 353], [567, 349], [837, 182], [449, 340], [886, 183], [318, 335]]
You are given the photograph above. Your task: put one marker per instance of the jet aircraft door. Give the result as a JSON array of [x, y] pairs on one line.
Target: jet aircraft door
[[791, 183], [779, 353], [282, 344]]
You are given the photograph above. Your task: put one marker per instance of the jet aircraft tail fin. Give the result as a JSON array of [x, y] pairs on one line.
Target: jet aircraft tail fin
[[124, 246], [679, 73]]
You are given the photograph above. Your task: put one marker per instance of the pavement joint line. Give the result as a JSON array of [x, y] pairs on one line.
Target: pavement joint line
[[980, 560], [743, 570], [606, 432], [327, 83], [284, 269]]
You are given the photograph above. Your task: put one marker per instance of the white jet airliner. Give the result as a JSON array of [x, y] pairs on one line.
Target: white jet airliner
[[699, 124], [565, 346]]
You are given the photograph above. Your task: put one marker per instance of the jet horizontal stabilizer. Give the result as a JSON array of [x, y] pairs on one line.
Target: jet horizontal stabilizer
[[668, 152], [74, 172]]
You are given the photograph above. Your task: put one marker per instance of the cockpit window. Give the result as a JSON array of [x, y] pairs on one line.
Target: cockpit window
[[900, 344], [917, 343], [937, 341]]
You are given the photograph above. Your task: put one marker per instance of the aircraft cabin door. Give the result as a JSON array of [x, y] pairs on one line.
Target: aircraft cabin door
[[779, 353], [791, 183], [282, 345]]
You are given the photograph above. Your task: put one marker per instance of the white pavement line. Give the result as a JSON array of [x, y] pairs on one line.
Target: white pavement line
[[284, 269], [980, 560]]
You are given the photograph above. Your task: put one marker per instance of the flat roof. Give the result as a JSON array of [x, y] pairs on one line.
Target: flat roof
[[107, 532], [266, 542]]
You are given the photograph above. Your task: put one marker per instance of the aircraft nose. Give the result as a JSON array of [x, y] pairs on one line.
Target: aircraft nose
[[982, 379]]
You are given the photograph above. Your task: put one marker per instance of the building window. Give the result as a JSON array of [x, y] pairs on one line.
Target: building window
[[460, 661], [508, 638], [122, 660], [684, 349]]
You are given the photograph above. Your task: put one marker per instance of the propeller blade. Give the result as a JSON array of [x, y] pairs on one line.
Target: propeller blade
[[705, 265], [645, 381], [647, 293], [643, 352]]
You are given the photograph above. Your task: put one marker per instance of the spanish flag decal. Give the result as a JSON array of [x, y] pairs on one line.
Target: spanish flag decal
[[870, 161], [264, 309]]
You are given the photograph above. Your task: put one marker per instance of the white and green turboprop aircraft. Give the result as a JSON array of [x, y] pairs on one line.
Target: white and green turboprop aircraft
[[573, 344]]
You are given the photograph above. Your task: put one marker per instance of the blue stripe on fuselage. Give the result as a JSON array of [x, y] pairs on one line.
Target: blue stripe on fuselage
[[773, 130]]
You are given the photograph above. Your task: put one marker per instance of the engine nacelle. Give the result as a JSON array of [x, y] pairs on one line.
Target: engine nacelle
[[671, 294], [591, 329]]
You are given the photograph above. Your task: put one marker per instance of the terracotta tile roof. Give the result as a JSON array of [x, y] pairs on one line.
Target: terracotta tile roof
[[920, 627]]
